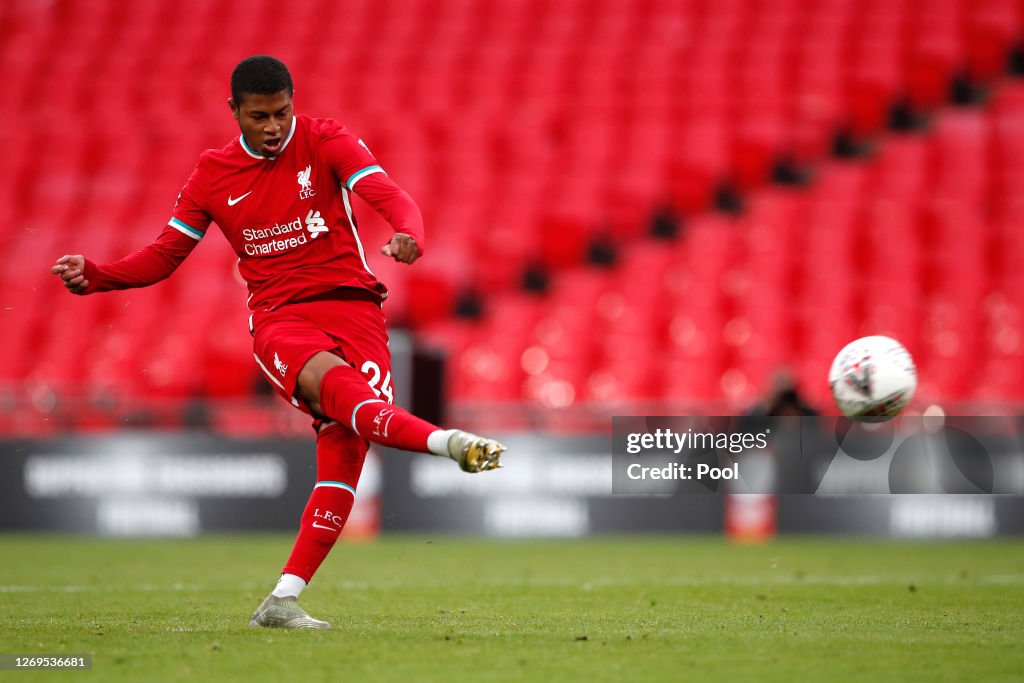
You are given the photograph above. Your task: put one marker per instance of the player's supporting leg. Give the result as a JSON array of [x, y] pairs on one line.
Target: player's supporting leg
[[339, 460], [346, 398]]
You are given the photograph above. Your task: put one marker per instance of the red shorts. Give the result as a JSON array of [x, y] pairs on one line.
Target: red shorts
[[353, 328]]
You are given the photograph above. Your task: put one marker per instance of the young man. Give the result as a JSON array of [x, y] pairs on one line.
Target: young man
[[280, 194]]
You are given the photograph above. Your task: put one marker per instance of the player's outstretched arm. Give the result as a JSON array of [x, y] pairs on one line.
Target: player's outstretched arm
[[147, 266]]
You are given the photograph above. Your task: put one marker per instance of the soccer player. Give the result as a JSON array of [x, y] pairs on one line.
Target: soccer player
[[280, 193]]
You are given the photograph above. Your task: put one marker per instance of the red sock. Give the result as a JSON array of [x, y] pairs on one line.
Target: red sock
[[339, 460], [345, 397]]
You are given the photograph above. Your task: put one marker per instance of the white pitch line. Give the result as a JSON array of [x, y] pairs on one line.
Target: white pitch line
[[139, 588], [597, 583]]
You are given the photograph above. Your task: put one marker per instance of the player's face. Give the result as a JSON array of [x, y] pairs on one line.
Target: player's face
[[265, 120]]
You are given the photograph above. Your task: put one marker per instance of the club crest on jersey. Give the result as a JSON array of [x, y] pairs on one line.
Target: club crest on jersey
[[305, 184]]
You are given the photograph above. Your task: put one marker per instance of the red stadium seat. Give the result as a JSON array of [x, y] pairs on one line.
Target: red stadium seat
[[873, 88], [932, 58], [992, 26]]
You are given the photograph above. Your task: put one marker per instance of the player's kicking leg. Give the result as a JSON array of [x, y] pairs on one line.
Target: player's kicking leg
[[333, 388]]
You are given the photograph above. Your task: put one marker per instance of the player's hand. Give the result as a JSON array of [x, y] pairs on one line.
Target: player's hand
[[71, 271], [402, 248]]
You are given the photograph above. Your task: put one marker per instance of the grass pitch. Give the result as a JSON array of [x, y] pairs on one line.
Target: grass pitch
[[441, 609]]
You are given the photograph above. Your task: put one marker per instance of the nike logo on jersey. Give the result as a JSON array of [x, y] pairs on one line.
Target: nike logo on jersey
[[321, 526], [232, 202]]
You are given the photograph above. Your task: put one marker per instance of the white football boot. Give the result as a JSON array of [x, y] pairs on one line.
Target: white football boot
[[277, 612]]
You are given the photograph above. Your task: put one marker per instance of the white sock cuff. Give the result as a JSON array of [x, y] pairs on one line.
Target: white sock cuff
[[289, 586], [437, 442]]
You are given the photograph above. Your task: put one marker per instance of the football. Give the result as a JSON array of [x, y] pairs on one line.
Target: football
[[873, 378]]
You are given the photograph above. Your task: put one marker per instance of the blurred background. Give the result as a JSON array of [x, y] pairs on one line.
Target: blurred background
[[633, 207]]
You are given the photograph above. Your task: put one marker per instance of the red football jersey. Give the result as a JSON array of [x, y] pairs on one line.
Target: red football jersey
[[289, 218]]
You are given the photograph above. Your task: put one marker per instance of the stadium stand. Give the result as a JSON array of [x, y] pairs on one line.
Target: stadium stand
[[838, 168]]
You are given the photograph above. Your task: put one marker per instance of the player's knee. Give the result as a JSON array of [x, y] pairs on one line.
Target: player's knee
[[311, 377], [344, 391]]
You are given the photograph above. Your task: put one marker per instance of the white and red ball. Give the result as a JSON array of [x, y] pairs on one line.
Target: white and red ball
[[873, 378]]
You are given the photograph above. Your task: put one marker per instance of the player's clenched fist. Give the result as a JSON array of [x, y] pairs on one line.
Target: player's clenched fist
[[402, 248], [71, 271]]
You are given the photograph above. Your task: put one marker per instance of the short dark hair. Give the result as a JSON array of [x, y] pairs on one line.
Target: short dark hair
[[260, 75]]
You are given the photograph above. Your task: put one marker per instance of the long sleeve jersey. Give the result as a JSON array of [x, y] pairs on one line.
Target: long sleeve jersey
[[289, 218]]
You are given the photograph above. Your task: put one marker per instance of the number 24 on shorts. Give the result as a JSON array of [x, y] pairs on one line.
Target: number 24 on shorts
[[384, 387]]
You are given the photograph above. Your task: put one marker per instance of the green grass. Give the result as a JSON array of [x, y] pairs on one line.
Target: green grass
[[441, 609]]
